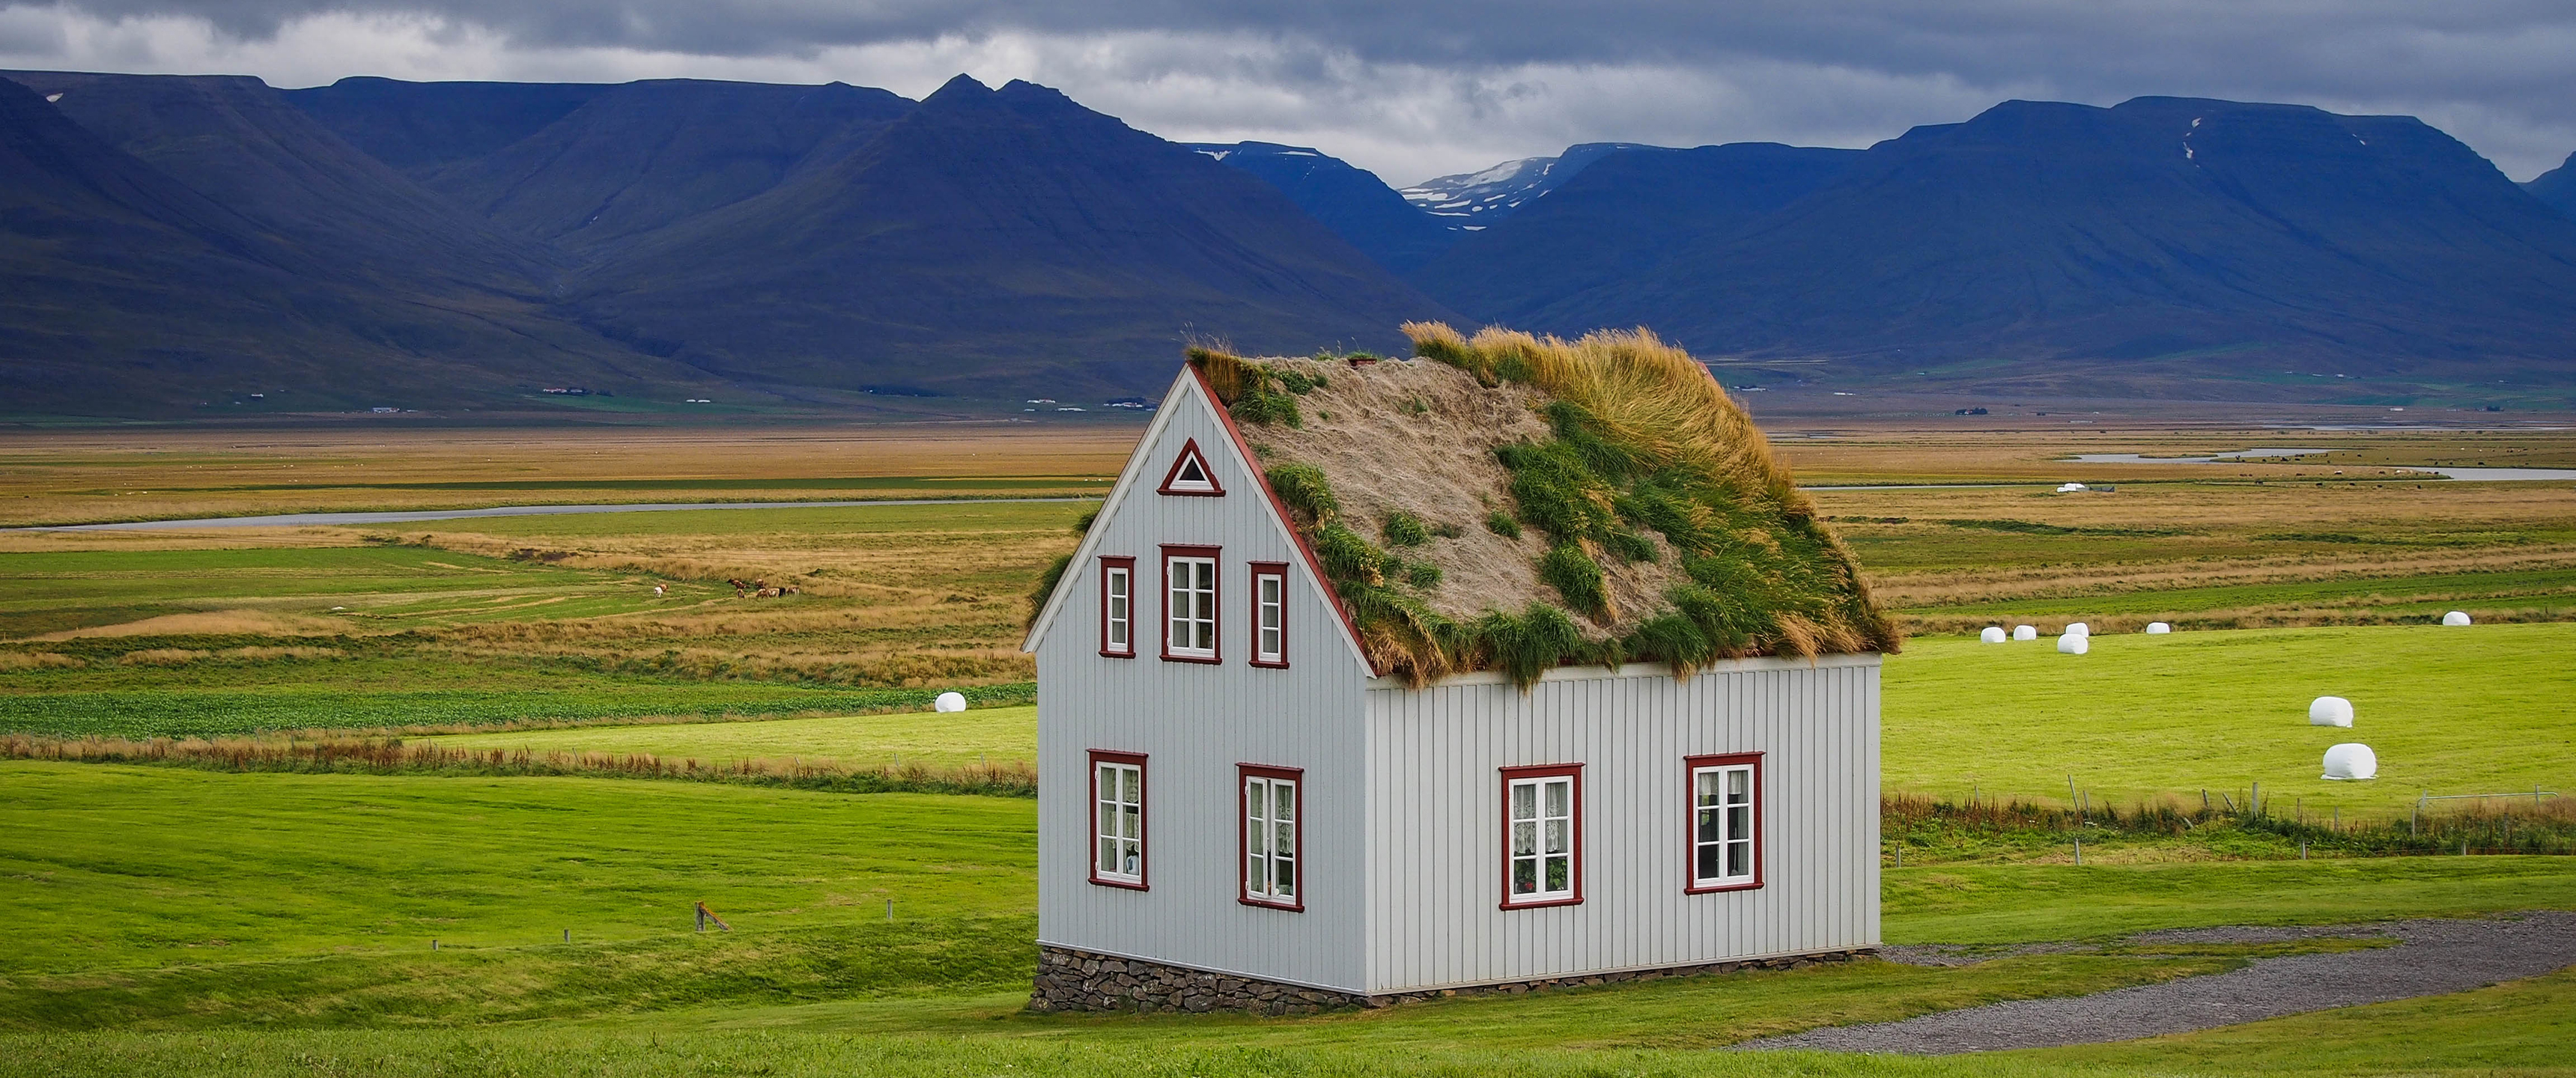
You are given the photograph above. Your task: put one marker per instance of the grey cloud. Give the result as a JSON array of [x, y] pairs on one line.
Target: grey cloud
[[2506, 68]]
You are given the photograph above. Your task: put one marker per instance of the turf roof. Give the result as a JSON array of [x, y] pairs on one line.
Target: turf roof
[[1519, 503]]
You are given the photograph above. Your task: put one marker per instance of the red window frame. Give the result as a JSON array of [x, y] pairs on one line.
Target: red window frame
[[1575, 824], [1144, 819], [1107, 648], [1216, 609], [1691, 766], [1279, 570], [1190, 452], [1243, 844]]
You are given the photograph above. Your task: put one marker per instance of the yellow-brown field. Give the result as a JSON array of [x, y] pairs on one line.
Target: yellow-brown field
[[56, 478]]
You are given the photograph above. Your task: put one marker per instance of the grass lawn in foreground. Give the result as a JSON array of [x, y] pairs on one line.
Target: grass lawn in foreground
[[122, 867], [2451, 710], [2520, 1028], [168, 898], [997, 735]]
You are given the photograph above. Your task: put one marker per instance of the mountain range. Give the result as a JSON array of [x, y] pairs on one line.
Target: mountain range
[[2557, 187], [176, 244], [179, 243], [2162, 247]]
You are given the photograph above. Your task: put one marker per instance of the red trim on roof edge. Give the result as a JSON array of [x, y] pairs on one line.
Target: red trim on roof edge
[[1314, 564]]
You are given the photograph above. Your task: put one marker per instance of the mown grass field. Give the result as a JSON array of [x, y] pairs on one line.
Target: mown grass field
[[282, 923], [2450, 711], [999, 735], [2447, 710]]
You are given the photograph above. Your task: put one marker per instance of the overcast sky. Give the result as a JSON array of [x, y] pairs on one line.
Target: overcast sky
[[1416, 88]]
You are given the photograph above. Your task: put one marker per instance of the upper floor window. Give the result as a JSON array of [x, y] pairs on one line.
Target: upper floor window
[[1189, 603], [1190, 474], [1269, 613], [1542, 828], [1118, 818], [1271, 839], [1725, 822], [1118, 607]]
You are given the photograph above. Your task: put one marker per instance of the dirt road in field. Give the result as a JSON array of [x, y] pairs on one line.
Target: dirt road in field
[[2433, 957]]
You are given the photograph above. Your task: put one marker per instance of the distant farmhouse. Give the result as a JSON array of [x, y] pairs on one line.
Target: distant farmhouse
[[1522, 665]]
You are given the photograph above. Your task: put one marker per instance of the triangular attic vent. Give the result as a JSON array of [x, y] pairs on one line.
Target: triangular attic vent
[[1191, 475]]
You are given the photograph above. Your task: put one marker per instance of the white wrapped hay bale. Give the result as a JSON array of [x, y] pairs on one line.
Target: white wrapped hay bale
[[2456, 617], [2074, 644], [2158, 628], [2330, 711], [2025, 632], [2351, 760], [2079, 629], [949, 701], [1992, 634]]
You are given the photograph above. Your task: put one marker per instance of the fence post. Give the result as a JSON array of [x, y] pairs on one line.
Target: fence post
[[2079, 849]]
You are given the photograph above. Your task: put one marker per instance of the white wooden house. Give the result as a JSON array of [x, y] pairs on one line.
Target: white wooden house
[[1239, 808]]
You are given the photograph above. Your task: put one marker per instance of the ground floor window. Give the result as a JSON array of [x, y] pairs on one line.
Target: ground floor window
[[1271, 835], [1542, 828], [1118, 819], [1725, 821]]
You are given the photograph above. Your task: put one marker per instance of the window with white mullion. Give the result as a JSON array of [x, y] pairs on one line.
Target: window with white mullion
[[1542, 839], [1270, 839], [1191, 608], [1725, 822], [1270, 617], [1119, 789], [1117, 613]]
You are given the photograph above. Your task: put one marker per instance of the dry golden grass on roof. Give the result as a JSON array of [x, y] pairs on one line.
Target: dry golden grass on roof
[[1527, 502]]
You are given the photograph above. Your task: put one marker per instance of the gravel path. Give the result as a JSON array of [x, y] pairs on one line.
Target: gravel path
[[2433, 958]]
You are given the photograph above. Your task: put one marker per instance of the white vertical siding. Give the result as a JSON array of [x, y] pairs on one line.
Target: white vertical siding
[[1435, 820], [1196, 723]]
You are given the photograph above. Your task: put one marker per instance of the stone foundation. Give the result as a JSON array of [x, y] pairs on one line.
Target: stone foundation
[[1071, 980]]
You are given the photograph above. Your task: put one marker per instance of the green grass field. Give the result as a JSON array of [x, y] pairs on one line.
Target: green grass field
[[170, 920], [2544, 592], [997, 735], [281, 923], [2138, 717], [2453, 711], [213, 697]]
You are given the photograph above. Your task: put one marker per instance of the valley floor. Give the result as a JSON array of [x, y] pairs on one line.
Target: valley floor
[[488, 912]]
